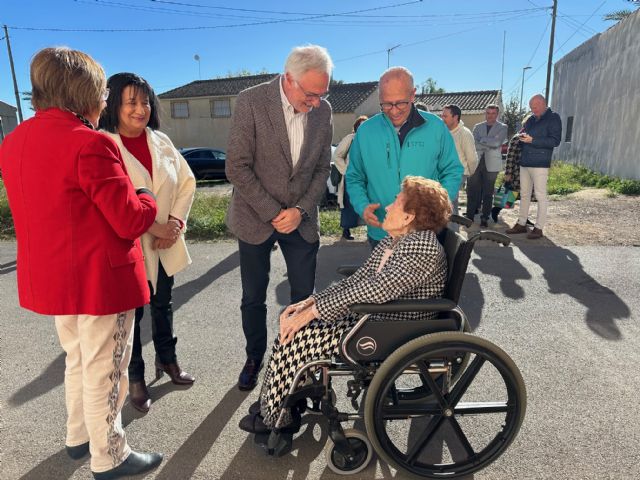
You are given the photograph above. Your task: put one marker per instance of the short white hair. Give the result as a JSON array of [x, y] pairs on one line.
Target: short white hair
[[397, 73], [308, 57]]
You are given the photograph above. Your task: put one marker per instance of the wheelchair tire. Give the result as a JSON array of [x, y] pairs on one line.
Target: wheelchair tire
[[343, 466], [441, 446]]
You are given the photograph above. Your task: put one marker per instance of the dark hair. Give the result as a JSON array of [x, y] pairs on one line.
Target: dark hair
[[359, 120], [492, 106], [116, 85], [455, 110]]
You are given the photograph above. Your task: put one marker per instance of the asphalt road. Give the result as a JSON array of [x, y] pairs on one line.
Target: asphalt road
[[567, 316]]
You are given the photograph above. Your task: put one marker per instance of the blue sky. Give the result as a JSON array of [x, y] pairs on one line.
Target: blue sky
[[459, 44]]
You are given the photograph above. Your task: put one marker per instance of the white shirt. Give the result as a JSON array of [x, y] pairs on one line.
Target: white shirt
[[295, 122]]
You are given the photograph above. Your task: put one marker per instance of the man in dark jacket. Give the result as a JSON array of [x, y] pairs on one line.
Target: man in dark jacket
[[542, 133]]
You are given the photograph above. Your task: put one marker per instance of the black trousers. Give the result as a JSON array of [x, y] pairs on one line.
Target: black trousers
[[480, 188], [255, 263], [161, 327]]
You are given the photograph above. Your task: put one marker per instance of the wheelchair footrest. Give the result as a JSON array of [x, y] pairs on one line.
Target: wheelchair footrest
[[276, 444]]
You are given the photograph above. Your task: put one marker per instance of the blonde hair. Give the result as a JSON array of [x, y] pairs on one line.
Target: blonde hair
[[66, 79], [428, 201]]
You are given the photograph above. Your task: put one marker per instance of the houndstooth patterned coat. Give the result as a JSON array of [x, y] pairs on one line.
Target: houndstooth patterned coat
[[417, 268]]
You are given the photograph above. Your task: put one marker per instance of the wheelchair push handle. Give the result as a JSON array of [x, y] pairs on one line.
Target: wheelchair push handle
[[460, 220], [491, 236]]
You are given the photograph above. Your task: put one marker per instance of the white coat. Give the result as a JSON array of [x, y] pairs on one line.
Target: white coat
[[174, 186]]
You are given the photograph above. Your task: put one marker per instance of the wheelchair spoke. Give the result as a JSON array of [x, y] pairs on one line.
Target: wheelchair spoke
[[477, 408], [465, 380], [432, 384], [394, 412], [464, 441], [423, 441]]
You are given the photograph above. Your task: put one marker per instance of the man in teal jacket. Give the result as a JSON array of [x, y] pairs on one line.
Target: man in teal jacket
[[397, 142]]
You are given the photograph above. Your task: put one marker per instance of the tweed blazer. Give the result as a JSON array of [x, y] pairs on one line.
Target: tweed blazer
[[260, 168], [416, 269]]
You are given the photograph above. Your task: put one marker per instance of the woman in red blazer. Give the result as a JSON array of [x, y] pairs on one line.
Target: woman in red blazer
[[77, 219]]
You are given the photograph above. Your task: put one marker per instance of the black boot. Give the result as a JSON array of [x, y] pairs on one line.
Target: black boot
[[135, 464]]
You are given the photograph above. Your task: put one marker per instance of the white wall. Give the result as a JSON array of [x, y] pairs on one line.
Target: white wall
[[598, 84]]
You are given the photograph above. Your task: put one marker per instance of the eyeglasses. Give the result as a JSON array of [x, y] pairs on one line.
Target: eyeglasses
[[312, 96], [105, 94], [387, 106]]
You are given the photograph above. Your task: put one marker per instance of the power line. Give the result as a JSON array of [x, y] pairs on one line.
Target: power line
[[209, 27], [427, 40]]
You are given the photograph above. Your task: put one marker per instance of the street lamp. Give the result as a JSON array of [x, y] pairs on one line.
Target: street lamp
[[196, 57], [524, 69]]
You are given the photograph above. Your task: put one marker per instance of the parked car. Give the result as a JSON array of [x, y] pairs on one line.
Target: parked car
[[205, 162]]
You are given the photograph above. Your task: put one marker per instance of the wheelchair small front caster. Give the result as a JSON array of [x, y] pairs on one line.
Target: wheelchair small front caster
[[345, 465], [279, 444]]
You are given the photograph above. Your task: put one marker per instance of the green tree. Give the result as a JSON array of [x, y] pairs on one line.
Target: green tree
[[243, 72], [621, 14], [513, 115], [430, 86]]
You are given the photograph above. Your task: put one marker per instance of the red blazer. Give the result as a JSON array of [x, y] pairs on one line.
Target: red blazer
[[77, 218]]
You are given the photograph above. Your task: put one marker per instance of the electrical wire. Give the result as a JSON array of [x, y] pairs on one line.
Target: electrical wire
[[208, 27]]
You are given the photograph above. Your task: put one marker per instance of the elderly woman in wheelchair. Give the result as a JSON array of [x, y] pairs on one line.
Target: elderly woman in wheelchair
[[380, 325]]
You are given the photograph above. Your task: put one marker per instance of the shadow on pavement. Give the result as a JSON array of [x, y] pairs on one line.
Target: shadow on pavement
[[58, 466], [185, 461], [565, 276], [54, 373]]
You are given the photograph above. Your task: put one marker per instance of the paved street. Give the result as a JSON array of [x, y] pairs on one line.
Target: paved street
[[568, 316]]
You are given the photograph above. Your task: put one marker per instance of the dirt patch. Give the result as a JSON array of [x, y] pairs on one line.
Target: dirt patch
[[587, 217]]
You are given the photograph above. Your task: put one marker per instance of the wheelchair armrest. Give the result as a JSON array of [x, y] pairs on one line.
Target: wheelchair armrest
[[492, 236], [426, 305], [347, 270]]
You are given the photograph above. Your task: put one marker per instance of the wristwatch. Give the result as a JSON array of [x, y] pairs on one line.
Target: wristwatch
[[303, 212]]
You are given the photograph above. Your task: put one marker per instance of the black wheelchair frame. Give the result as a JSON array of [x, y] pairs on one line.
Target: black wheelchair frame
[[421, 372]]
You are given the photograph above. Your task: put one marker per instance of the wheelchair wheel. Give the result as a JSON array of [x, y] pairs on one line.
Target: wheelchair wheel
[[340, 464], [463, 425], [420, 390]]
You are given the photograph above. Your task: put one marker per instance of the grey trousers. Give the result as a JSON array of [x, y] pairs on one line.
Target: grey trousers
[[480, 187]]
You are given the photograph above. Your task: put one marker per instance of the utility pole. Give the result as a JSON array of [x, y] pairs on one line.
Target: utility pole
[[13, 74], [550, 61], [389, 50], [504, 42]]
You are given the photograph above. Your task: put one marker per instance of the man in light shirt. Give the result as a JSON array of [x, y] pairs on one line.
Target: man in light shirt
[[464, 141], [278, 160]]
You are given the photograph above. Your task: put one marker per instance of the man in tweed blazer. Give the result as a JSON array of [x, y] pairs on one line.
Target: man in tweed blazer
[[278, 160]]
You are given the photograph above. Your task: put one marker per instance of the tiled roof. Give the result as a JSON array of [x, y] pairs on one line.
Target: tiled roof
[[469, 102], [7, 107], [346, 97], [224, 87]]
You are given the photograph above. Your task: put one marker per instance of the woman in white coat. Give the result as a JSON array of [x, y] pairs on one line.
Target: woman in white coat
[[348, 217], [131, 119]]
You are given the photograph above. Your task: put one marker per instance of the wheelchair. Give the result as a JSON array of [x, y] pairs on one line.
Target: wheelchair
[[436, 401]]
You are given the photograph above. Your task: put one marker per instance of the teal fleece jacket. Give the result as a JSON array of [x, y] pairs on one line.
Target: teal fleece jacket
[[377, 163]]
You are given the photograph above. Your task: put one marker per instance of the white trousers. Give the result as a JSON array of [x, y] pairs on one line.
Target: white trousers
[[96, 383], [533, 179]]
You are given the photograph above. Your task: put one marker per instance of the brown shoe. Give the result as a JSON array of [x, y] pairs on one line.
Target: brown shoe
[[177, 375], [139, 396], [535, 233], [517, 228]]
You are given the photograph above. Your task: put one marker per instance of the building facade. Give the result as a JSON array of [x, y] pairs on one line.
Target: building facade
[[596, 91], [8, 119]]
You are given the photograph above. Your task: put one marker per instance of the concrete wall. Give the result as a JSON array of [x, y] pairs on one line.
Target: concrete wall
[[343, 122], [598, 84], [200, 129]]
